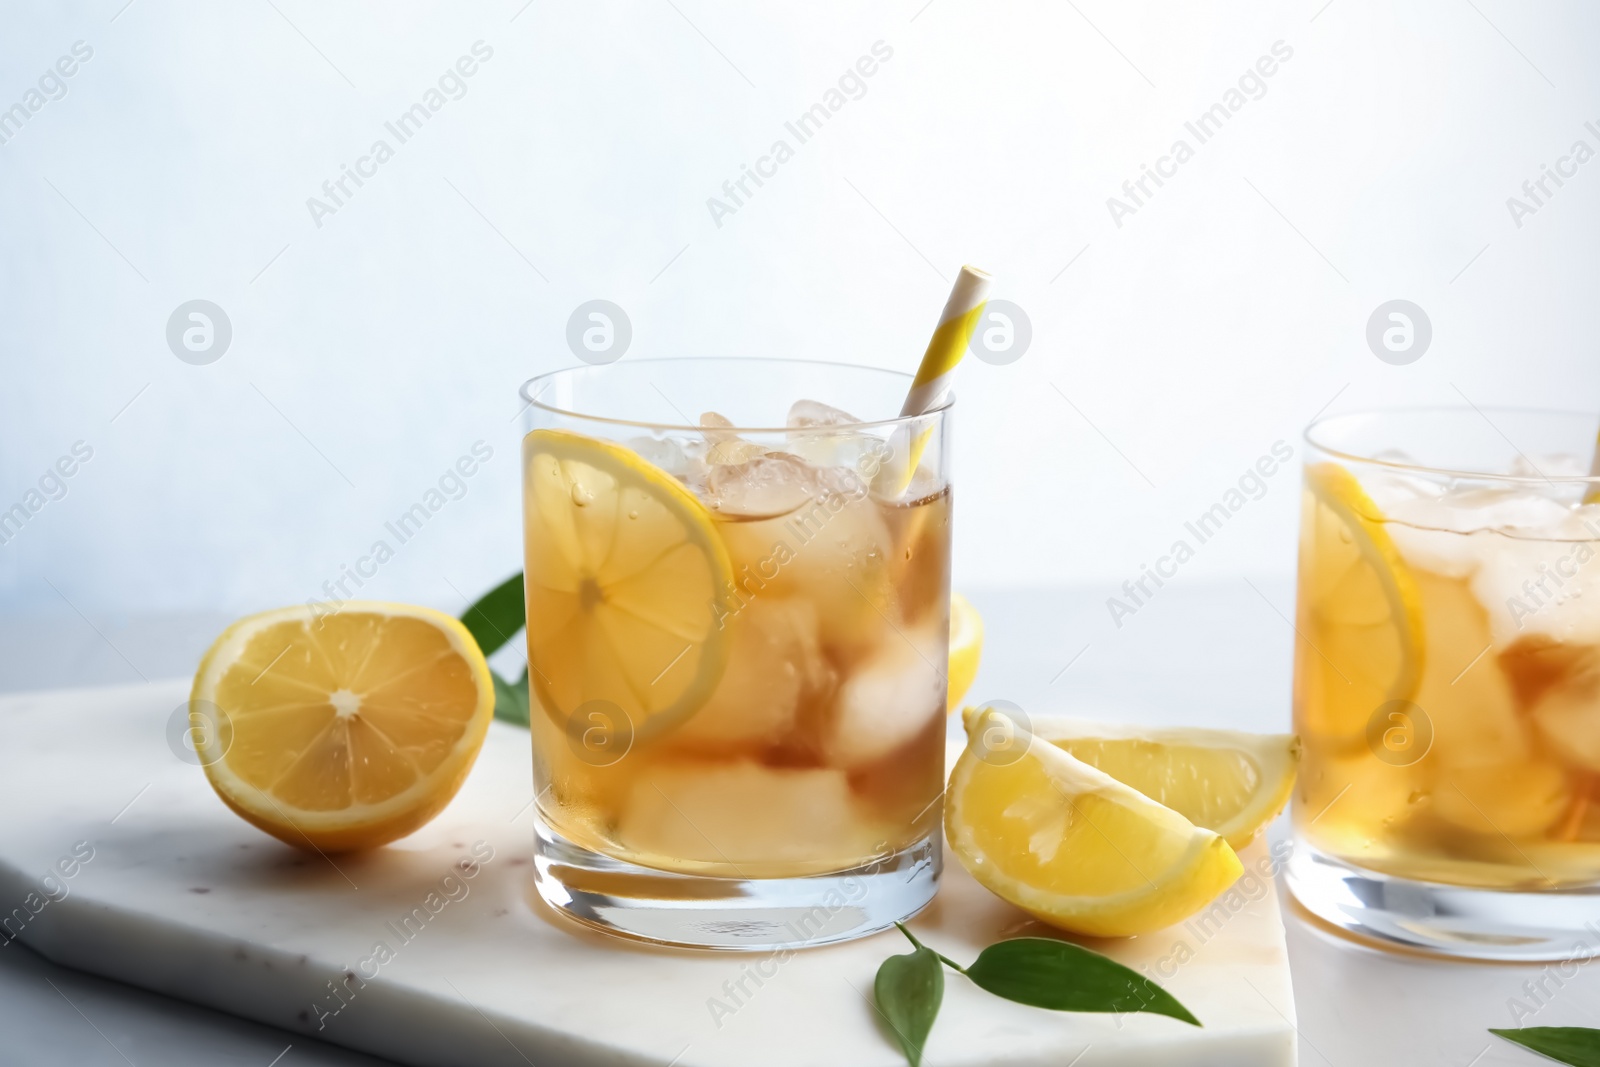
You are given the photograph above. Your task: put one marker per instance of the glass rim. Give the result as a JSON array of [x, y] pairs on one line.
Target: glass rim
[[1450, 472], [533, 387]]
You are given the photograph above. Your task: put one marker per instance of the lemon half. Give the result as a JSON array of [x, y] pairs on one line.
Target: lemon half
[[341, 732]]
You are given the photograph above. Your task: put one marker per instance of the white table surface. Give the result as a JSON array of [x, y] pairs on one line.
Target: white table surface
[[1216, 654]]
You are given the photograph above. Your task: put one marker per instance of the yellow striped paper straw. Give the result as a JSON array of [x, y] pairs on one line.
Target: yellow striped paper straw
[[949, 343]]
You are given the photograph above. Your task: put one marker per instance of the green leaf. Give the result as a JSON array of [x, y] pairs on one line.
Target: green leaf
[[1065, 977], [908, 991], [511, 701], [497, 616], [493, 621], [1576, 1045]]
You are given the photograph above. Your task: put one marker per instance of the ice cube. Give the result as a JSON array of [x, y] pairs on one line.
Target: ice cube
[[1468, 509], [1546, 586], [819, 540], [859, 456], [1505, 509], [774, 483], [1468, 700], [811, 438], [747, 816], [1498, 537], [666, 453], [1569, 721], [733, 450], [889, 697], [1550, 465], [716, 426], [722, 444], [1558, 685], [816, 413], [1514, 798], [1539, 666], [1393, 490], [774, 660]]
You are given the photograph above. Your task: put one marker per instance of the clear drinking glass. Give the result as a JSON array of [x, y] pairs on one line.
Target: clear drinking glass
[[1447, 682], [738, 630]]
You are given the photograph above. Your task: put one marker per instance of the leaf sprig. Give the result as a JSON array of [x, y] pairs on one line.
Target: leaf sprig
[[908, 991], [1578, 1046], [493, 621], [1038, 971]]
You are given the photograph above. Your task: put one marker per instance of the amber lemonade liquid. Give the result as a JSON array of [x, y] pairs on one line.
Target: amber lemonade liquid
[[821, 747], [1447, 680]]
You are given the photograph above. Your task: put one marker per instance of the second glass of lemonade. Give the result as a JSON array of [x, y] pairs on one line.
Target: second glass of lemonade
[[1447, 682], [738, 626]]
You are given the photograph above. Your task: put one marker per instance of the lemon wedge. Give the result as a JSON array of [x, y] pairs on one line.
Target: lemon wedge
[[627, 585], [1228, 782], [1069, 843], [340, 732], [966, 647]]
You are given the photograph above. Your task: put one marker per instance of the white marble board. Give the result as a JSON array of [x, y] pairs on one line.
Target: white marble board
[[182, 897]]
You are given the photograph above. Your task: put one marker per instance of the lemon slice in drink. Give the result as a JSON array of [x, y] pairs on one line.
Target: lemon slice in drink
[[1360, 614], [341, 732], [1072, 845], [966, 648], [1227, 782], [627, 586]]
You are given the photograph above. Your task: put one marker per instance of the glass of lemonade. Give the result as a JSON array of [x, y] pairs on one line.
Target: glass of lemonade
[[1447, 681], [738, 626]]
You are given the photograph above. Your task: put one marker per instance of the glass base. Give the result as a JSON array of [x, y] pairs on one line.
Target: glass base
[[1446, 920], [750, 915]]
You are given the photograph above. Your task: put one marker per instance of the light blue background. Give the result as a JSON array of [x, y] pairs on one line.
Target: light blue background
[[375, 350]]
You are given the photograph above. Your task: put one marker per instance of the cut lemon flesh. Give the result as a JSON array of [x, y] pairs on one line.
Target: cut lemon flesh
[[627, 585], [1360, 614], [966, 647], [341, 732], [1072, 845], [1224, 781]]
